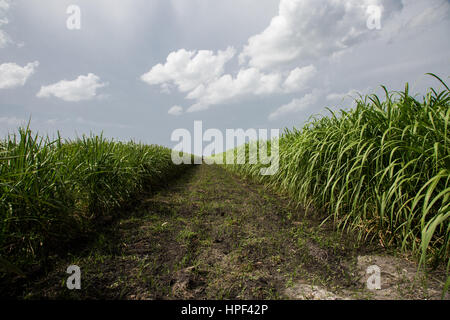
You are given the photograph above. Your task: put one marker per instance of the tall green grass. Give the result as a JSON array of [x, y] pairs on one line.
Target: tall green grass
[[54, 191], [381, 170]]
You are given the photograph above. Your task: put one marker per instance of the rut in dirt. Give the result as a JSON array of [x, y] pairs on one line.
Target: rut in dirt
[[211, 235]]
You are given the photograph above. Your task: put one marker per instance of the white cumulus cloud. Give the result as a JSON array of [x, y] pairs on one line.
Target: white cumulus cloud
[[341, 96], [250, 82], [282, 59], [82, 88], [189, 69], [310, 29], [13, 75], [296, 105], [298, 78], [176, 111], [201, 76], [226, 88]]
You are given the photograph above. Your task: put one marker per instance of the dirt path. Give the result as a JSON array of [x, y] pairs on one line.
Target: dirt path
[[213, 236]]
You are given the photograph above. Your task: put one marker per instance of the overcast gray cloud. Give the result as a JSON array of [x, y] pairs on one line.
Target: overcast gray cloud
[[142, 68]]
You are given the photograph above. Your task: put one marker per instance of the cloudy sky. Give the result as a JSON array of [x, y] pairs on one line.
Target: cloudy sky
[[138, 69]]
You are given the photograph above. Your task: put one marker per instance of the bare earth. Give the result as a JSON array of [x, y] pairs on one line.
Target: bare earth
[[211, 235]]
